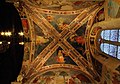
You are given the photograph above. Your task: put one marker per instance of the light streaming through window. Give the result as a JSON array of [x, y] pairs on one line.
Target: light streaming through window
[[108, 48], [111, 35]]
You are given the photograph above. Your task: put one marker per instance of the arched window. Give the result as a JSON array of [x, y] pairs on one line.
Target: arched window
[[110, 43], [111, 35]]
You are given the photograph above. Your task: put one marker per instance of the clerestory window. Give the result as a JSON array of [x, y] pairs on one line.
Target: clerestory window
[[110, 42]]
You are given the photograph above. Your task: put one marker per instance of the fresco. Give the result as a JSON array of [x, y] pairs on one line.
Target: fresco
[[77, 40], [26, 29], [62, 77], [26, 51], [63, 4], [59, 22], [26, 61], [100, 16], [60, 57], [41, 40], [26, 32]]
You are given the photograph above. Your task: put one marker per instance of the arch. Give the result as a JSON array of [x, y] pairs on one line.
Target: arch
[[109, 42], [57, 66], [104, 36]]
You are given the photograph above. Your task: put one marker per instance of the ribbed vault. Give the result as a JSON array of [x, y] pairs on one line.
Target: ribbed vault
[[42, 18]]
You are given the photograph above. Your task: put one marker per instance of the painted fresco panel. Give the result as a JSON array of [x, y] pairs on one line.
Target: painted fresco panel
[[42, 40], [77, 40], [25, 27], [60, 57], [100, 16], [63, 4], [26, 51], [59, 22], [62, 77]]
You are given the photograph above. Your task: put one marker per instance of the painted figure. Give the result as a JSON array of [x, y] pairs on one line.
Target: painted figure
[[60, 57]]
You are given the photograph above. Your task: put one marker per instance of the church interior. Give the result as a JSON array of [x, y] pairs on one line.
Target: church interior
[[60, 42]]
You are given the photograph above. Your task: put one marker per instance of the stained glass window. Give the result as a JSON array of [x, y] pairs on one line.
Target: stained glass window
[[105, 34], [107, 47], [110, 49], [119, 36], [113, 50], [118, 54], [112, 35], [102, 47]]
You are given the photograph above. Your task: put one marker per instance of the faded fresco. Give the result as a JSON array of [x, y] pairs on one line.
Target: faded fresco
[[77, 40], [59, 22], [41, 40], [26, 32], [55, 17], [100, 16], [63, 4], [26, 51], [25, 27], [60, 57], [62, 77]]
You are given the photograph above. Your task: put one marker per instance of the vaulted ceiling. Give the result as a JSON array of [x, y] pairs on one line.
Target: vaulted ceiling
[[64, 39]]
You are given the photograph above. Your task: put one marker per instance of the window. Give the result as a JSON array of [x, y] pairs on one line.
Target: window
[[111, 42], [112, 35]]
